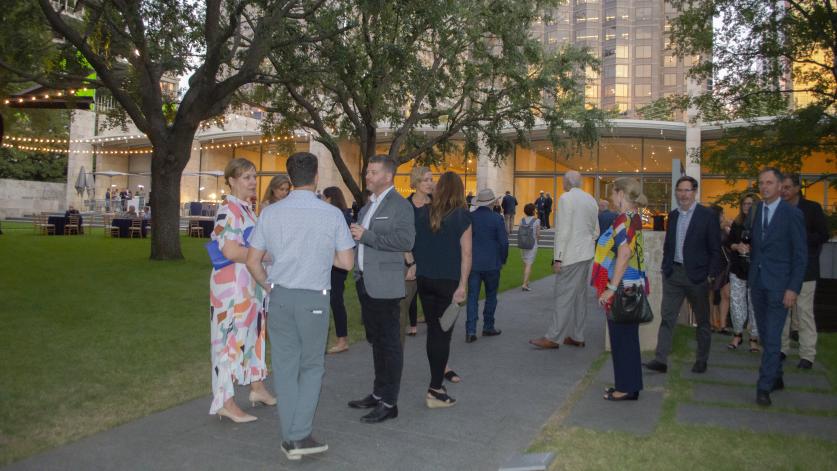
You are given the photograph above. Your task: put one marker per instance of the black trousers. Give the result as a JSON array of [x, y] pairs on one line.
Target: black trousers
[[414, 311], [381, 320], [627, 363], [436, 296], [338, 307]]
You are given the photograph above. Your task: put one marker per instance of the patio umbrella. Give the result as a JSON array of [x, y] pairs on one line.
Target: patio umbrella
[[91, 184], [81, 181], [214, 173]]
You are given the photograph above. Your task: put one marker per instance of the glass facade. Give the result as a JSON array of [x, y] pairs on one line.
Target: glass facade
[[540, 168]]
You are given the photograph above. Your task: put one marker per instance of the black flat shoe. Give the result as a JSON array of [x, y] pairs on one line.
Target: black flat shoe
[[380, 414], [779, 384], [699, 367], [470, 338], [655, 365], [367, 402], [763, 398], [627, 397], [491, 332]]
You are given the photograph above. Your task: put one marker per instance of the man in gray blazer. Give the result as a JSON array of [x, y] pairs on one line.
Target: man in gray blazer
[[385, 230]]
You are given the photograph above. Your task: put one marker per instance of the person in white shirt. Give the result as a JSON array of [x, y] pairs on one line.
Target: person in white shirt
[[577, 228]]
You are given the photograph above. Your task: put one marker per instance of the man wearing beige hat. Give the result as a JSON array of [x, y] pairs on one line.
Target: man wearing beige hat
[[577, 228], [490, 248]]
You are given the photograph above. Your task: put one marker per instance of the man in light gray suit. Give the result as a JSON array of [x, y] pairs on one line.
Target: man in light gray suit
[[385, 230]]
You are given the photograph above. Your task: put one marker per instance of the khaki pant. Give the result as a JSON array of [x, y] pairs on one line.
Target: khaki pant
[[803, 311], [509, 220]]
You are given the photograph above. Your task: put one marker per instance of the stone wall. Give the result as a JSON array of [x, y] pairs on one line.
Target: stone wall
[[23, 197]]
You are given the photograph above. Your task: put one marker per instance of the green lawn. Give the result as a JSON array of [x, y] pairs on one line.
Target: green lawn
[[677, 446], [95, 335]]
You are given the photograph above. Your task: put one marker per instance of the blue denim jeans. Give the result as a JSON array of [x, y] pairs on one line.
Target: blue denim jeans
[[492, 282]]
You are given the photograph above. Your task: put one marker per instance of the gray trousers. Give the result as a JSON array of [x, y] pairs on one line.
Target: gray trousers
[[298, 329], [676, 288], [571, 290]]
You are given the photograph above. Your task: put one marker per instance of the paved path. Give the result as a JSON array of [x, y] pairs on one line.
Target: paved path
[[509, 390], [723, 396]]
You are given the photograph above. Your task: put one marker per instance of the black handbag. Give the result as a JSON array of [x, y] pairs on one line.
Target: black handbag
[[630, 305]]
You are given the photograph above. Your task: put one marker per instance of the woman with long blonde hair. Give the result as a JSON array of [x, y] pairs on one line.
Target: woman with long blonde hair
[[277, 190], [443, 262]]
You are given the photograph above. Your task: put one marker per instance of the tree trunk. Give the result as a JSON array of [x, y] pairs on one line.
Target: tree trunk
[[167, 164]]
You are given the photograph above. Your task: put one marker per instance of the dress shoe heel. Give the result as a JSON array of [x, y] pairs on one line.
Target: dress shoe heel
[[438, 400], [242, 419], [261, 398]]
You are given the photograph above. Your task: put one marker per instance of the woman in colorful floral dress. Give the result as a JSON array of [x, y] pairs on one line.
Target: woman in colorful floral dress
[[237, 327]]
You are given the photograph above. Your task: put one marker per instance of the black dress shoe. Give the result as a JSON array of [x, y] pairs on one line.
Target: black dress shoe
[[699, 367], [657, 366], [779, 384], [763, 398], [380, 414], [491, 332], [805, 364], [470, 338], [367, 402]]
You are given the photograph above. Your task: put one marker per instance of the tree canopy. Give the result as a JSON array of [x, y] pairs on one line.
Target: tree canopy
[[220, 45], [772, 67], [427, 72]]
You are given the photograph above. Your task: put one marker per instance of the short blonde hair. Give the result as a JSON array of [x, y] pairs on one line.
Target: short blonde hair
[[632, 190], [416, 175], [236, 167]]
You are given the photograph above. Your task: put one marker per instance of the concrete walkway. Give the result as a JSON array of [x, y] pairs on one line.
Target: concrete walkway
[[509, 390]]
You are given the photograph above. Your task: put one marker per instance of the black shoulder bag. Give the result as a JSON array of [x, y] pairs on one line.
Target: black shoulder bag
[[630, 305]]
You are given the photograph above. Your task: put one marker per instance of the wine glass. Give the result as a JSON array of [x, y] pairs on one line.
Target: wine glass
[[746, 239]]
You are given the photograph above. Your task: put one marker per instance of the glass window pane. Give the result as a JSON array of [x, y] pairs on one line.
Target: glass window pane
[[538, 158], [819, 162], [620, 155], [582, 160], [815, 192], [658, 192], [659, 154], [527, 189], [713, 188]]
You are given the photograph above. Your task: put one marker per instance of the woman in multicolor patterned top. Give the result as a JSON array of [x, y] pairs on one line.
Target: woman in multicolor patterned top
[[618, 260], [237, 327]]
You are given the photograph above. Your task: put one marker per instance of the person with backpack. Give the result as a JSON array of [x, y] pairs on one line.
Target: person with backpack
[[528, 233], [577, 227]]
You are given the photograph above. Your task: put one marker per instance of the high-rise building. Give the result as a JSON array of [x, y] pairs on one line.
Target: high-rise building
[[630, 38]]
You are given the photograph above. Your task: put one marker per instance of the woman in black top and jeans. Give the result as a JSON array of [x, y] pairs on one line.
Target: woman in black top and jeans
[[443, 263], [334, 196]]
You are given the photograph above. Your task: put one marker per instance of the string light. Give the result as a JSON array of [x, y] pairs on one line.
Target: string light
[[98, 140], [45, 96], [57, 150]]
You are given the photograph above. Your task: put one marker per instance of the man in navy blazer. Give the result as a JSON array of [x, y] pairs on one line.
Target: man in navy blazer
[[490, 251], [691, 256], [778, 260]]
